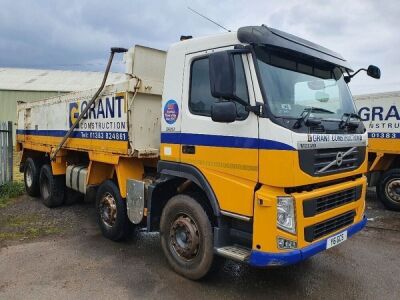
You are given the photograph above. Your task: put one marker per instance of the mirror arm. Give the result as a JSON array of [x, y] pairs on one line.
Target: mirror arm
[[257, 109], [354, 74], [240, 101], [349, 77]]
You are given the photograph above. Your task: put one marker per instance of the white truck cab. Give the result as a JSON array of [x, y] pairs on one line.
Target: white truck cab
[[264, 117]]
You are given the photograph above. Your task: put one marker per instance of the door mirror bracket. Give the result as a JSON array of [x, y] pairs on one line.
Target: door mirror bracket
[[258, 109]]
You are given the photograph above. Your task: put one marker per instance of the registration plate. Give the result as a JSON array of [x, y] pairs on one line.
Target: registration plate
[[336, 240]]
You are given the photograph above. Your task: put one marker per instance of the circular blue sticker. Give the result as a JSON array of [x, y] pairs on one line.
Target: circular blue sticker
[[171, 111]]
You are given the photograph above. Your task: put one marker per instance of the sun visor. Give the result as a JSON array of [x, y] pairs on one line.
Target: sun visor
[[263, 35]]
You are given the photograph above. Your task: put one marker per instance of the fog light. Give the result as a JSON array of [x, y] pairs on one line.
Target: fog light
[[286, 244]]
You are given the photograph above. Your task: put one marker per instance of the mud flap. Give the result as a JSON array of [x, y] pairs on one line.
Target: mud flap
[[135, 200]]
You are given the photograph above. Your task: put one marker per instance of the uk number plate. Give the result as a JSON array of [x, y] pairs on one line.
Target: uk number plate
[[336, 240]]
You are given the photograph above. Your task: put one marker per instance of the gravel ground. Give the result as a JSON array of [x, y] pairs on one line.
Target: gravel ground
[[63, 255], [25, 219]]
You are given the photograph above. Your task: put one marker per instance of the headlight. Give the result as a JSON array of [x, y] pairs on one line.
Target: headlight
[[286, 216]]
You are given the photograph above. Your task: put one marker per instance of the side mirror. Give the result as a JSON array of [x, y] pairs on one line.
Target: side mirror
[[223, 112], [374, 72], [222, 75]]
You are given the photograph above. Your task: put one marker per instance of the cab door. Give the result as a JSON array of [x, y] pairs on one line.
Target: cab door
[[225, 153]]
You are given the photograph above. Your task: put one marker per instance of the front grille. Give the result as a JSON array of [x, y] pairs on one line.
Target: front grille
[[318, 205], [320, 162], [316, 231], [324, 157]]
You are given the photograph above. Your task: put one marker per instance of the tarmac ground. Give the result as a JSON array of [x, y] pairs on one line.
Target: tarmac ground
[[60, 253]]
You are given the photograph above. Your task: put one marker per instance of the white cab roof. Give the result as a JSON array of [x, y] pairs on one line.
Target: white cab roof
[[206, 42]]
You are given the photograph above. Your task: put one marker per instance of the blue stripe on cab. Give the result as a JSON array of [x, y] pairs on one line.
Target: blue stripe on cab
[[173, 138], [222, 141], [274, 145]]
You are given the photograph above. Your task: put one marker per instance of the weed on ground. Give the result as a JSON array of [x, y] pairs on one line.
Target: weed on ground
[[10, 191]]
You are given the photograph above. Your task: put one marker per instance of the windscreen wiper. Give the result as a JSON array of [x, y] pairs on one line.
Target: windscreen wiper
[[345, 121], [305, 116]]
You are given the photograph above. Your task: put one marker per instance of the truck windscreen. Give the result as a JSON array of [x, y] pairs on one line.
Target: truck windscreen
[[293, 83]]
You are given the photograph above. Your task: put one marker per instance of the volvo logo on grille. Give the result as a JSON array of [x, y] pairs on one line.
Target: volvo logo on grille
[[338, 161], [339, 158]]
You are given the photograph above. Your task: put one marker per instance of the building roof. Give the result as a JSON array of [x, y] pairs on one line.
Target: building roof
[[377, 95], [18, 79]]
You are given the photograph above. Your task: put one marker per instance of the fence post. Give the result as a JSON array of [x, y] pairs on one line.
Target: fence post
[[2, 164], [10, 151], [3, 153]]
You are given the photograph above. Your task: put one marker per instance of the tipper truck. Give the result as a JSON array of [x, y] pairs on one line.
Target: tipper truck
[[244, 145], [381, 116]]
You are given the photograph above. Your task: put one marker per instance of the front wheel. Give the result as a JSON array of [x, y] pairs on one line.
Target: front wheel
[[186, 237], [388, 189]]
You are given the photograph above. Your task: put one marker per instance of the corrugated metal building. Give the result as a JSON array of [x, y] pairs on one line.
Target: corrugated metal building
[[18, 84]]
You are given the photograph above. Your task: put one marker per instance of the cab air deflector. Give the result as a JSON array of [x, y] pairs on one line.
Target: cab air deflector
[[263, 35]]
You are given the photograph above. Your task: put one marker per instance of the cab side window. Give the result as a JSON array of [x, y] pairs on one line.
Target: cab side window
[[200, 98]]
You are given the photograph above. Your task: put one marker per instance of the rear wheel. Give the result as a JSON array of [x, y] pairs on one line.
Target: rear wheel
[[111, 212], [52, 188], [31, 177], [388, 189], [186, 237]]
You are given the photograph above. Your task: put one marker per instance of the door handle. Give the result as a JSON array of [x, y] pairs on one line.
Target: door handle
[[188, 149]]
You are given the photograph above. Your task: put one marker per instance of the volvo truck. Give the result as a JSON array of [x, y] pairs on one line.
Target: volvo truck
[[243, 145]]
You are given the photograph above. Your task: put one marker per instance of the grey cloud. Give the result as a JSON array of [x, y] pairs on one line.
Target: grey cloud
[[71, 34]]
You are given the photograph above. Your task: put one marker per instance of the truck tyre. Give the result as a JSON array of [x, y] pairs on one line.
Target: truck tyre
[[52, 188], [111, 212], [31, 177], [388, 189], [186, 237]]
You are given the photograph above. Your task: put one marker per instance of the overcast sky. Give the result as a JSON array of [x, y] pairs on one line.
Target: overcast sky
[[77, 34]]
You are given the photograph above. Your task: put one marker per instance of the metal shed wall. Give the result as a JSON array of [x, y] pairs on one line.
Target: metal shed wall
[[8, 102], [18, 84]]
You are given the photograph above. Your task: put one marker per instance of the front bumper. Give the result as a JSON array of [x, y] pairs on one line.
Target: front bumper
[[265, 259]]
